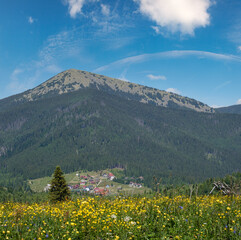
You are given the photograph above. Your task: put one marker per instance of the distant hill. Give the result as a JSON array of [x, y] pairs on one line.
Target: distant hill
[[235, 109], [93, 128]]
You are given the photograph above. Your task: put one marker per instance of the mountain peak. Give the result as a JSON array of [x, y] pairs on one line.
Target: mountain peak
[[73, 80]]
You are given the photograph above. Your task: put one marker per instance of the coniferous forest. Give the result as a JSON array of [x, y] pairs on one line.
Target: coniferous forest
[[91, 130]]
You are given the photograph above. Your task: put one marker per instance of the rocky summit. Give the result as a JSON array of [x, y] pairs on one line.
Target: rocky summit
[[73, 80]]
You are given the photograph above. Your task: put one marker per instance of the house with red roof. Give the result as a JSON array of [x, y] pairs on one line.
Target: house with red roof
[[111, 176]]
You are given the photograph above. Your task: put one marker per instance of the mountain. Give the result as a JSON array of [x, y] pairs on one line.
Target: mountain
[[97, 127], [74, 80], [235, 109]]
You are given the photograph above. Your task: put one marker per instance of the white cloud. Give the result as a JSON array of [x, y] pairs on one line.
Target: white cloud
[[31, 20], [156, 29], [154, 77], [177, 15], [75, 7], [239, 48], [170, 54], [105, 9], [239, 101], [62, 45], [174, 90]]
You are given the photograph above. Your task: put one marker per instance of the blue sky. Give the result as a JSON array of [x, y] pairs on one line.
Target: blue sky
[[191, 47]]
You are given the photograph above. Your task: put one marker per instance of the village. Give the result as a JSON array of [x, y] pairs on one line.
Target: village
[[100, 183]]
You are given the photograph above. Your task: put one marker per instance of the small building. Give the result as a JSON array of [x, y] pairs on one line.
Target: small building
[[84, 177], [105, 175], [47, 188], [91, 187], [76, 186], [101, 191], [111, 176], [86, 189], [135, 185]]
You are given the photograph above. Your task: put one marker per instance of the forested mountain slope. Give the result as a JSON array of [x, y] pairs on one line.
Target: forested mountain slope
[[235, 109], [93, 129]]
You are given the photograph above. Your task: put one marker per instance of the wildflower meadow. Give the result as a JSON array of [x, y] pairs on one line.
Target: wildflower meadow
[[208, 217]]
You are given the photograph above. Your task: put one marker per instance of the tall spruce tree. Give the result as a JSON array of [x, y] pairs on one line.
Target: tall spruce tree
[[59, 190]]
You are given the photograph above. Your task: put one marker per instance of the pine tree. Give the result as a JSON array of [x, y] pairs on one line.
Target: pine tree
[[59, 190]]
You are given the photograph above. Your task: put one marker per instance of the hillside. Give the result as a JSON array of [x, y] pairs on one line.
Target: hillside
[[78, 184], [235, 109], [93, 129], [74, 80]]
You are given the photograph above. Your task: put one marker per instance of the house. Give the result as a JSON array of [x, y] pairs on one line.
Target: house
[[47, 188], [135, 185], [90, 187], [131, 184], [84, 177], [101, 191], [86, 189], [111, 176], [76, 186]]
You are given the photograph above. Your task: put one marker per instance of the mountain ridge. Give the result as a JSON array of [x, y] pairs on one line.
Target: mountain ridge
[[94, 126], [72, 80], [233, 109]]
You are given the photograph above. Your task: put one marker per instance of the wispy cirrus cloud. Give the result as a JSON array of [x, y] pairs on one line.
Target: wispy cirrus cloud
[[71, 44], [223, 85], [177, 16], [28, 75], [105, 9], [74, 7], [170, 54], [61, 45], [104, 21], [156, 77], [15, 73]]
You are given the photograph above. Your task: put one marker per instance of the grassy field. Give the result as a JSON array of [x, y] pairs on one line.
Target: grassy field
[[124, 218], [37, 185]]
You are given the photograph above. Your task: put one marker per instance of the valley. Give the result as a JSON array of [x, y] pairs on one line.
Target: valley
[[96, 128], [100, 183]]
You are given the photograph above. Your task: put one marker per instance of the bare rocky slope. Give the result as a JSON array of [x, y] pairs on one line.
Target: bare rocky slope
[[73, 80]]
